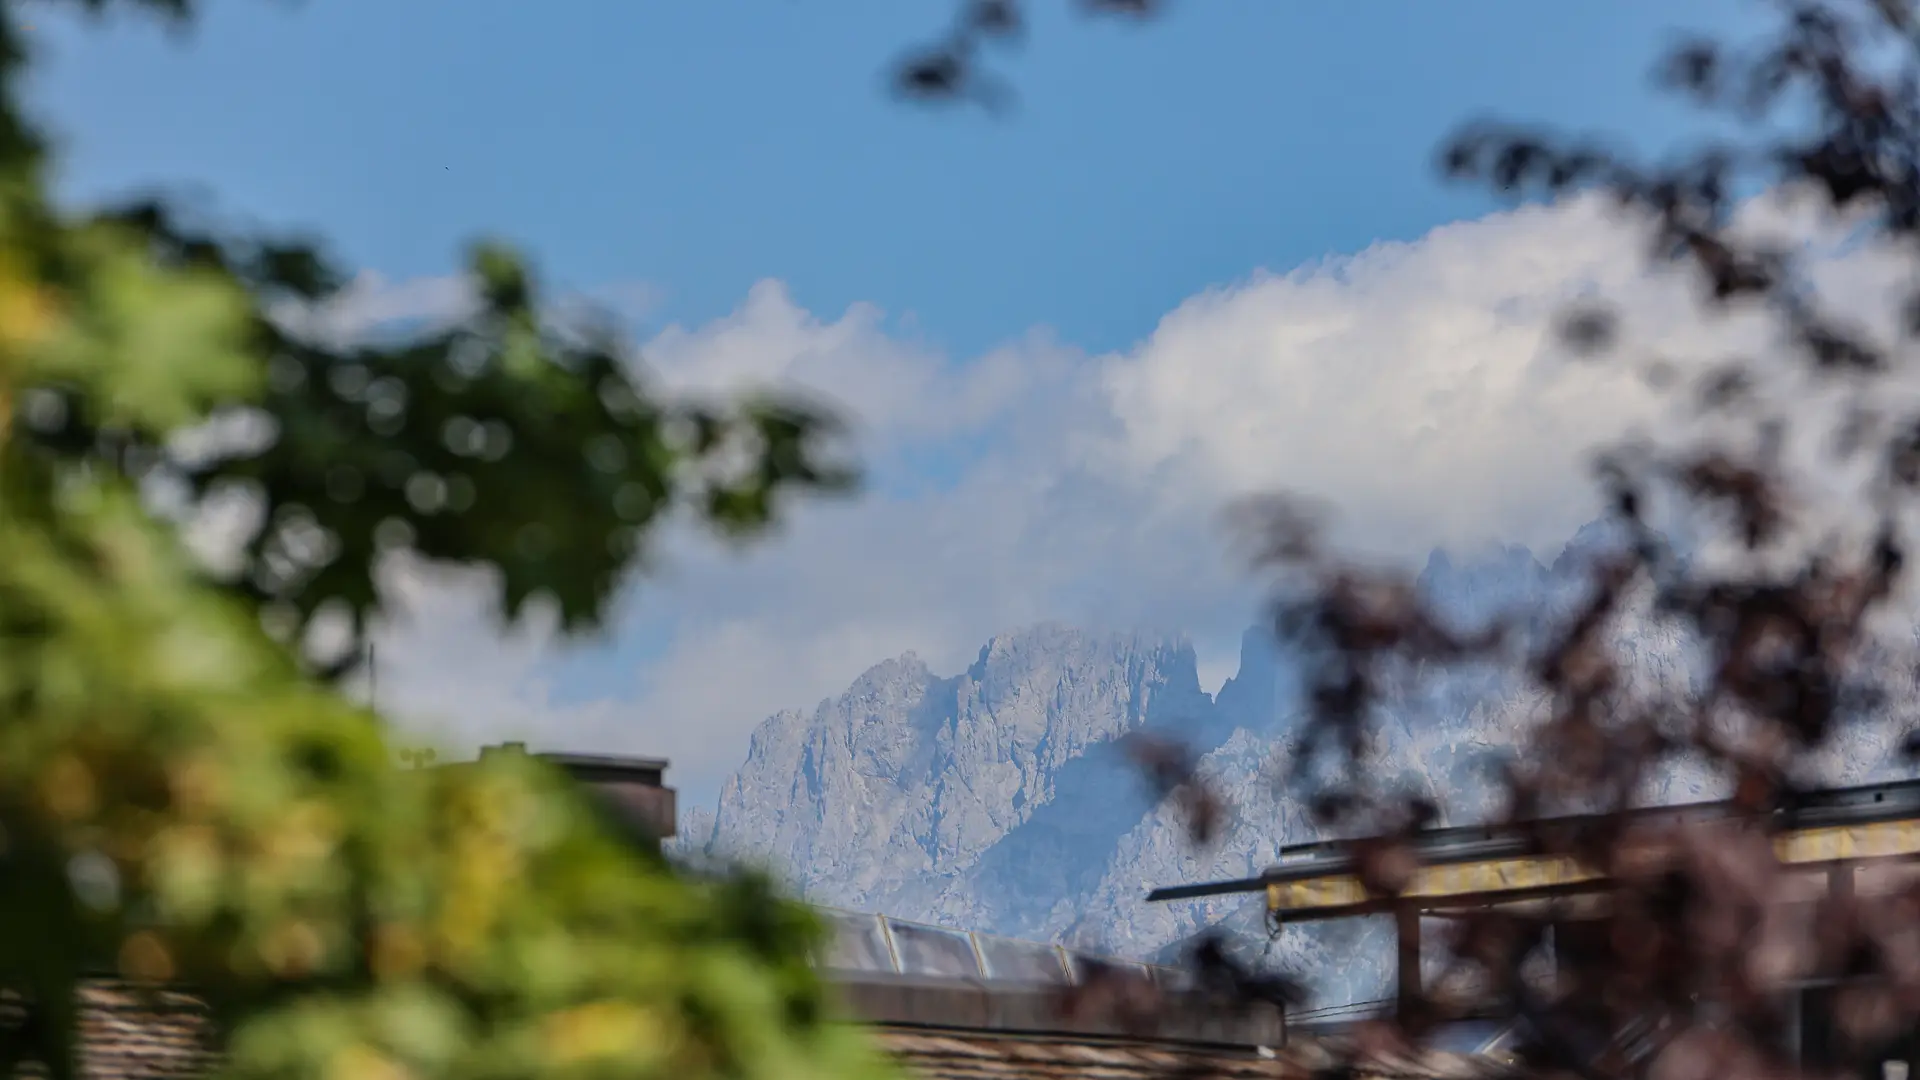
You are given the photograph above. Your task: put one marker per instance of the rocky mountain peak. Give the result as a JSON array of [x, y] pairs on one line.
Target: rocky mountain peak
[[996, 799], [904, 780]]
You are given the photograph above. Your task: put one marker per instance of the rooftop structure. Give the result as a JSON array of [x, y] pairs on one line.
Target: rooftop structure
[[1861, 838], [633, 787], [130, 1033], [897, 974], [881, 945], [948, 1004]]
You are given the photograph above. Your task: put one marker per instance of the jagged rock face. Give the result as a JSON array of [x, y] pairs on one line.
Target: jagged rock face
[[905, 782], [996, 800]]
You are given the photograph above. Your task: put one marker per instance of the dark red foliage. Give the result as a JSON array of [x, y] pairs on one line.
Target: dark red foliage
[[1681, 977]]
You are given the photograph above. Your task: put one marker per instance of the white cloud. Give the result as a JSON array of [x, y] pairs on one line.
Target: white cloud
[[371, 301], [897, 390], [1418, 385], [458, 676]]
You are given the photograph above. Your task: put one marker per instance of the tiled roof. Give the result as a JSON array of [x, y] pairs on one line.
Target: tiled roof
[[957, 1055], [135, 1033], [1099, 1011], [967, 1056]]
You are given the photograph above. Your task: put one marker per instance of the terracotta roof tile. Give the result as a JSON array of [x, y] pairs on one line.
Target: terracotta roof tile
[[957, 1056], [982, 1056], [135, 1033]]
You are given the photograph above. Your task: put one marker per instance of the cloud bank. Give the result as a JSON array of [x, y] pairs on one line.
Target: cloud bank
[[1418, 387]]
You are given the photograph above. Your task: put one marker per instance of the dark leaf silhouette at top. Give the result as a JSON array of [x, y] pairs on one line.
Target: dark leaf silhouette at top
[[951, 68]]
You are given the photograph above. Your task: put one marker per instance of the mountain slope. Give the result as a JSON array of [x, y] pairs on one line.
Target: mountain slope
[[902, 784], [996, 800]]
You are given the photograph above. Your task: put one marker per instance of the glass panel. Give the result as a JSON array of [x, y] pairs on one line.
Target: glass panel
[[857, 945], [1021, 961], [1079, 963], [1170, 979], [930, 950]]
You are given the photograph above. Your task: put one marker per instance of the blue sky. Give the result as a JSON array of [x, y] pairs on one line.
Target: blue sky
[[702, 147], [908, 260]]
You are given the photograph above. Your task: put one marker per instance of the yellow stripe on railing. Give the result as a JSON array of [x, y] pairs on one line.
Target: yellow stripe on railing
[[1887, 839], [1890, 839]]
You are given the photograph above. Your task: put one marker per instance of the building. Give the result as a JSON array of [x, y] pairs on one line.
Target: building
[[946, 1004], [633, 788], [128, 1033], [1864, 839]]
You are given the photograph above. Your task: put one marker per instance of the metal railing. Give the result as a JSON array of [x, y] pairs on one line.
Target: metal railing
[[878, 944]]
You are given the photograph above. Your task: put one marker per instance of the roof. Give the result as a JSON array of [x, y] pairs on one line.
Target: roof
[[866, 944], [618, 762], [963, 1056], [1474, 863], [977, 1056], [643, 808], [1014, 1010], [566, 760], [135, 1033]]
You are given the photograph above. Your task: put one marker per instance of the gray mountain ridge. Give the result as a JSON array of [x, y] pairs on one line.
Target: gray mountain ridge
[[997, 799]]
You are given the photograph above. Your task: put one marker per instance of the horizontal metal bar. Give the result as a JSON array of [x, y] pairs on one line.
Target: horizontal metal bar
[[1871, 822], [1211, 888], [1890, 839], [1832, 806]]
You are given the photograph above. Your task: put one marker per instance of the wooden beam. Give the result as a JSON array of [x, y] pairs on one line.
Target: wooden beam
[[1447, 880], [1406, 922], [1840, 880], [1339, 892]]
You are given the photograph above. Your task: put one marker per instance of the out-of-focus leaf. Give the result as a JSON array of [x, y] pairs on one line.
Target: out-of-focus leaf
[[181, 800]]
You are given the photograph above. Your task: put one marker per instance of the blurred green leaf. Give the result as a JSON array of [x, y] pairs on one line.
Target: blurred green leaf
[[183, 800], [499, 442]]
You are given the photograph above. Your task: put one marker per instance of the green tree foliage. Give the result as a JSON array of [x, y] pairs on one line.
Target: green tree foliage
[[185, 799]]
